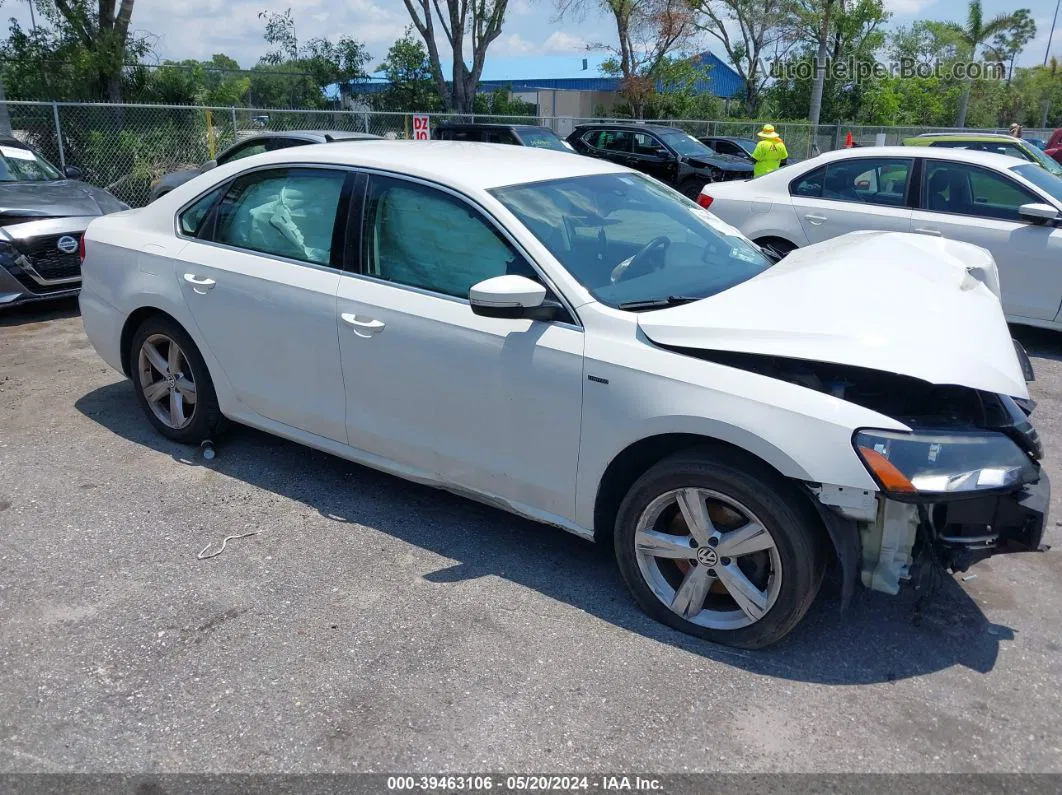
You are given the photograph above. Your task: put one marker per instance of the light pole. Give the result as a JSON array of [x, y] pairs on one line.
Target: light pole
[[1050, 37]]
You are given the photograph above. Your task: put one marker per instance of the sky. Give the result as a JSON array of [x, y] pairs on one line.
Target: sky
[[533, 43]]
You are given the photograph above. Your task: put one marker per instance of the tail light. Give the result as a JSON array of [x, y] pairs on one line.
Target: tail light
[[703, 199], [81, 249]]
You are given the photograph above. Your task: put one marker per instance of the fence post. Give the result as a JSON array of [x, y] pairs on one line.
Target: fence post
[[59, 135], [232, 111]]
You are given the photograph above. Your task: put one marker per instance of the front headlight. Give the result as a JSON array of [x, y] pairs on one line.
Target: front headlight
[[909, 464]]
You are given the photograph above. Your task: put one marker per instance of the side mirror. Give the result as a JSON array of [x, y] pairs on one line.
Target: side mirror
[[209, 165], [73, 172], [511, 297], [1038, 212]]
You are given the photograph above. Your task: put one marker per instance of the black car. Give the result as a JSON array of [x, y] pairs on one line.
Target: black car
[[43, 213], [725, 145], [667, 153], [256, 145], [512, 134]]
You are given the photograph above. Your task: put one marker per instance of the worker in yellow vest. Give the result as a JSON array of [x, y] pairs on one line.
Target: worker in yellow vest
[[769, 152]]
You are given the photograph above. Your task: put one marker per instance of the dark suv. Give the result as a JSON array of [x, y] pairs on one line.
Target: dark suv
[[513, 134], [667, 153]]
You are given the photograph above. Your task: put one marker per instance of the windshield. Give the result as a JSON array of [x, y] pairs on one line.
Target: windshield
[[1048, 183], [684, 144], [543, 139], [1044, 160], [18, 164], [628, 239]]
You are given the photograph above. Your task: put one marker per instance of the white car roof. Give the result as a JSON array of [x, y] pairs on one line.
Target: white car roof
[[990, 159], [461, 164]]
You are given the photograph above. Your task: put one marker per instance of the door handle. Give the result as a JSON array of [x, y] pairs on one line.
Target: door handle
[[927, 231], [200, 286], [815, 220], [362, 327]]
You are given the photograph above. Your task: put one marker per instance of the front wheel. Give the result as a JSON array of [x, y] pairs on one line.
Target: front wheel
[[719, 548]]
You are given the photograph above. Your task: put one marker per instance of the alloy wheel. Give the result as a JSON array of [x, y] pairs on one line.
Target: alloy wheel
[[166, 381], [707, 558]]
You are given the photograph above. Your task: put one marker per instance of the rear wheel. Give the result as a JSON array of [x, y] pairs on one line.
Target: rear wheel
[[171, 381], [719, 548]]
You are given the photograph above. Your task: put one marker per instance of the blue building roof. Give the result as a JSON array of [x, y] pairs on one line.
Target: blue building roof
[[721, 80]]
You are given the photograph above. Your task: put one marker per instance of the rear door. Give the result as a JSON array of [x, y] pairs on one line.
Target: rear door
[[260, 281], [854, 194], [980, 205], [611, 145]]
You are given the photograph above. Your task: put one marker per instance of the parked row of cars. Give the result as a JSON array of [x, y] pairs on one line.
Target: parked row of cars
[[568, 339]]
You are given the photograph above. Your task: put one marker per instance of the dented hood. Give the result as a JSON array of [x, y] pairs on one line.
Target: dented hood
[[900, 303]]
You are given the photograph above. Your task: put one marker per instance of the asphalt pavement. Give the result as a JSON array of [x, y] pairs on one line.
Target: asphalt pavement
[[376, 625]]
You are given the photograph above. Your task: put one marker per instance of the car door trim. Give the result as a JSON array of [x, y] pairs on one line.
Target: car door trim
[[498, 227]]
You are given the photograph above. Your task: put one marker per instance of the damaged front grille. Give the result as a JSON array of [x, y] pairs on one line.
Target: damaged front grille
[[41, 266]]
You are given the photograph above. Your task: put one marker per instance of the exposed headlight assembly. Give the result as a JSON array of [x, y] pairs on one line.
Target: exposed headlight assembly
[[943, 463]]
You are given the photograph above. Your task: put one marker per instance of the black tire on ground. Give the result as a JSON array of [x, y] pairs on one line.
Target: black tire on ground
[[792, 523], [206, 417], [691, 188]]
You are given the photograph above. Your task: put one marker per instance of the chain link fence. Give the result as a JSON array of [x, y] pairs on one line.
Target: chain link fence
[[126, 148]]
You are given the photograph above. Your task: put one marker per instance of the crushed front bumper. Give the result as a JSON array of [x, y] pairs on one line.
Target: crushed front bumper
[[973, 529]]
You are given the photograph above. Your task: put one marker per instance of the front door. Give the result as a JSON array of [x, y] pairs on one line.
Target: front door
[[261, 287], [486, 404], [980, 206], [854, 194]]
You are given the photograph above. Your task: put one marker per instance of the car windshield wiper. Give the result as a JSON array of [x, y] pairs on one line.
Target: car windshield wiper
[[659, 303]]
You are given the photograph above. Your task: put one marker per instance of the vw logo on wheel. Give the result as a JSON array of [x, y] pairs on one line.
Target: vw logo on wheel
[[707, 556], [67, 244]]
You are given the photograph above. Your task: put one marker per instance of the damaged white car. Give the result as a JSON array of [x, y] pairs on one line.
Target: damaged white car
[[575, 343]]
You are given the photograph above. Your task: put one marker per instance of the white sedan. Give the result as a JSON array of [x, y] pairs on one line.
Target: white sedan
[[571, 341], [1011, 207]]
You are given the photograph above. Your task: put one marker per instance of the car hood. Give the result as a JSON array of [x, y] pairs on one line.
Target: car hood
[[55, 199], [889, 301], [731, 162]]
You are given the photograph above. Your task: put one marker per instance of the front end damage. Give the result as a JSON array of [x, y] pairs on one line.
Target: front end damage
[[964, 484]]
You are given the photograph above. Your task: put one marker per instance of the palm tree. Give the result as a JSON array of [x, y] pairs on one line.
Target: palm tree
[[972, 35]]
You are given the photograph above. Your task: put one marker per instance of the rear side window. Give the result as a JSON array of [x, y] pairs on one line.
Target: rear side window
[[288, 212], [191, 220], [610, 140], [870, 180]]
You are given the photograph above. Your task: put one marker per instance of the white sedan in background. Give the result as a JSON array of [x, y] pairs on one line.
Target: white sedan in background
[[573, 342], [1011, 207]]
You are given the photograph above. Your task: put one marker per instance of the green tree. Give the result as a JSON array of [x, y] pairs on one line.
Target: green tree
[[407, 70], [749, 31], [972, 35], [1009, 43], [477, 22], [648, 32]]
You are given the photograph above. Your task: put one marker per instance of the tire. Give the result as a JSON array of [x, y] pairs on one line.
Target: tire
[[191, 386], [784, 563], [692, 188]]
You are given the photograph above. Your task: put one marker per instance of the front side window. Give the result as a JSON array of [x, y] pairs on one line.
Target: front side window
[[501, 137], [18, 164], [288, 212], [632, 243], [964, 189], [422, 237], [647, 146]]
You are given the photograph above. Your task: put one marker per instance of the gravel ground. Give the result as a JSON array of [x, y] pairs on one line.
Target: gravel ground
[[376, 625]]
